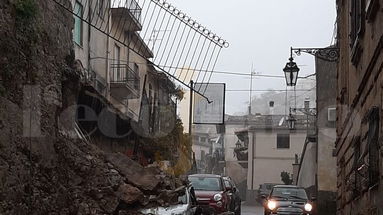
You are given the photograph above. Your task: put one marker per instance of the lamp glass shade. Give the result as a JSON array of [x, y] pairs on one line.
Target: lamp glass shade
[[291, 71]]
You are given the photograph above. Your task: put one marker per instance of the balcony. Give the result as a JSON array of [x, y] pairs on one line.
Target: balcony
[[127, 14], [91, 78], [124, 82]]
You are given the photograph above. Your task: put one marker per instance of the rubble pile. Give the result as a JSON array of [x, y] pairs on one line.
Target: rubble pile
[[42, 169], [83, 180], [114, 182]]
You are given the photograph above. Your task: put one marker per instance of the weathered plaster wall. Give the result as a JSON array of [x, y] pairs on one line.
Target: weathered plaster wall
[[359, 89]]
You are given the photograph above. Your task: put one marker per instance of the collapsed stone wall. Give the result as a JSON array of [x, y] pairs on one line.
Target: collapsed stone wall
[[42, 169]]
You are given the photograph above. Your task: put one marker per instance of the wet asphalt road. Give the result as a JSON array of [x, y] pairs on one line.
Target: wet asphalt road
[[251, 210]]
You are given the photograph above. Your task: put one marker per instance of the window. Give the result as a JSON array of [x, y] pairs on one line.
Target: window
[[203, 154], [206, 183], [101, 8], [117, 58], [356, 29], [203, 139], [373, 146], [356, 20], [290, 193], [357, 164], [283, 141], [78, 27], [372, 8], [137, 73], [150, 96]]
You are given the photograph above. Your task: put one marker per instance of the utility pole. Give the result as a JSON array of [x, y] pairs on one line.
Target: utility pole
[[191, 107], [192, 156], [251, 87]]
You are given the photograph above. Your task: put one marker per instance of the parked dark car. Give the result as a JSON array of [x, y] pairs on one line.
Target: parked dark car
[[288, 200], [235, 201], [212, 196]]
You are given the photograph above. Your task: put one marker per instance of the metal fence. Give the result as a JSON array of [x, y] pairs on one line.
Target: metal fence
[[183, 48]]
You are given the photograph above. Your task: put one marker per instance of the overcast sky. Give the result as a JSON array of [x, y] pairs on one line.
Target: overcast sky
[[262, 32]]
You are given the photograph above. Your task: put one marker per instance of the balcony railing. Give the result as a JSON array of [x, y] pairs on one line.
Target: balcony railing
[[132, 6], [95, 80], [122, 74]]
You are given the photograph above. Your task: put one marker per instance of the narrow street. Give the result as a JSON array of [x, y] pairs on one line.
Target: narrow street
[[142, 107], [251, 210]]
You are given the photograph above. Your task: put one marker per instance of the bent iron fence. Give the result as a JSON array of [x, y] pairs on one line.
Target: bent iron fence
[[184, 49]]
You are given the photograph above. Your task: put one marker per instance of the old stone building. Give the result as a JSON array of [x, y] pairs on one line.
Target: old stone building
[[316, 170], [359, 104], [124, 98]]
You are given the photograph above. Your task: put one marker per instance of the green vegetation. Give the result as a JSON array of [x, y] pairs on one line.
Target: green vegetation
[[286, 178], [26, 9], [176, 147]]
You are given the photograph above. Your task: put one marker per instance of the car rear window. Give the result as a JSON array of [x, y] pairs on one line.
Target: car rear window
[[206, 183]]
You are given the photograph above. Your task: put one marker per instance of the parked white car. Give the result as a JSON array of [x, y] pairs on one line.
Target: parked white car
[[187, 205]]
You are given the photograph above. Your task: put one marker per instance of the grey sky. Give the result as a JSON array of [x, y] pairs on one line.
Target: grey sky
[[261, 32]]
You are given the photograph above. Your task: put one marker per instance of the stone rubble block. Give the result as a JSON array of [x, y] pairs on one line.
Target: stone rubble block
[[143, 178]]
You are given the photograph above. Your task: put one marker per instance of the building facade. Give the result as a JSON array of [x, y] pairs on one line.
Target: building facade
[[122, 94], [272, 150], [254, 144], [316, 168], [359, 104], [326, 136]]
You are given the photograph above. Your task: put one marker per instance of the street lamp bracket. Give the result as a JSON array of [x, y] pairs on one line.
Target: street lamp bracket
[[330, 54]]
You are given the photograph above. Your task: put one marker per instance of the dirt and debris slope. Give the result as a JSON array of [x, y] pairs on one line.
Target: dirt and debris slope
[[43, 169]]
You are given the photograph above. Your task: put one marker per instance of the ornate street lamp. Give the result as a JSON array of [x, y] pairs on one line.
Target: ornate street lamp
[[291, 121], [291, 72]]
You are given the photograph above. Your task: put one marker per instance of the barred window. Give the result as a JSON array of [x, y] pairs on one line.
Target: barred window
[[373, 146], [356, 20], [357, 164]]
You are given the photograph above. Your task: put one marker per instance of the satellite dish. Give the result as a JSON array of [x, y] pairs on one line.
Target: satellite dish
[[281, 121]]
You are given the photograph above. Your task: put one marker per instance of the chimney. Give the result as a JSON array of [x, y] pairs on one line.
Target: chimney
[[271, 108], [307, 104]]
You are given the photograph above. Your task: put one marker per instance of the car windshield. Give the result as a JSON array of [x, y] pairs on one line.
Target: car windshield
[[289, 193], [206, 183]]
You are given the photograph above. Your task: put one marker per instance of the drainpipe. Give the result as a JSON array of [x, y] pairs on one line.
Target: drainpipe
[[107, 54], [89, 20], [252, 160]]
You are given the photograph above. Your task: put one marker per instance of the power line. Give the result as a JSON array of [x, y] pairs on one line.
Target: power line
[[303, 90], [214, 71]]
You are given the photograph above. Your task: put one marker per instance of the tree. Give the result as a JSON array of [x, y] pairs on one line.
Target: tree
[[286, 178]]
